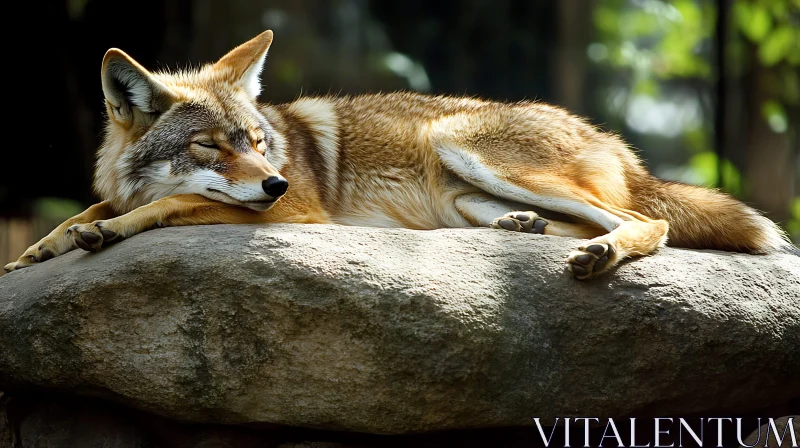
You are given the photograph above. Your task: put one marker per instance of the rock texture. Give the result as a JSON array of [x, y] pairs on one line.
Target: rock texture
[[397, 331]]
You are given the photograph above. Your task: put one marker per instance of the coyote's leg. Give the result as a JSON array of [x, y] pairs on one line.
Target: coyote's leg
[[633, 234], [181, 210], [531, 222], [631, 238], [59, 242], [483, 210], [630, 232]]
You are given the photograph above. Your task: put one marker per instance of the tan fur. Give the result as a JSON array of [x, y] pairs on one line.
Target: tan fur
[[402, 160]]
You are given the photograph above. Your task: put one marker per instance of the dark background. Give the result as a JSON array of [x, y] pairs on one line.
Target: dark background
[[708, 91]]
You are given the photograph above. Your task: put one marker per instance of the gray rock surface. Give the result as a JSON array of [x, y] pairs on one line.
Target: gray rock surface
[[396, 331]]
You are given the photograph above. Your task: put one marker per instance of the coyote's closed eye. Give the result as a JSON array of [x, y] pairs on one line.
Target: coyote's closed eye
[[195, 147]]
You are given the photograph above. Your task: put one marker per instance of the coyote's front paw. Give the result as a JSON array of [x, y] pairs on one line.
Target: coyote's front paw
[[528, 222], [591, 260], [42, 251], [91, 237]]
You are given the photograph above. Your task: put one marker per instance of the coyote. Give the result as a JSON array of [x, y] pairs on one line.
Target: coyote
[[195, 147]]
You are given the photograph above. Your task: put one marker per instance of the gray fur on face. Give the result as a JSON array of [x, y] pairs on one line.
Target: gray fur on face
[[168, 140]]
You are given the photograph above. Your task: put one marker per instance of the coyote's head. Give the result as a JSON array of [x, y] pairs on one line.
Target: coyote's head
[[195, 131]]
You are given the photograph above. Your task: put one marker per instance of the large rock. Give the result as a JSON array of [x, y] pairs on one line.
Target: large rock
[[394, 331]]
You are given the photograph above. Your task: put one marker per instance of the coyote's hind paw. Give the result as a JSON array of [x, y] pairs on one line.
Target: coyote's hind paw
[[592, 259], [527, 222]]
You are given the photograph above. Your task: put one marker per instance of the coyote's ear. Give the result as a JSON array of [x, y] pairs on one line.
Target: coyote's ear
[[132, 93], [243, 64]]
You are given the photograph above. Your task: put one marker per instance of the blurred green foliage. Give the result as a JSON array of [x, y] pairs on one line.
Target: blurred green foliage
[[793, 226], [769, 24], [660, 47], [660, 43], [707, 164], [773, 27], [655, 40], [56, 209]]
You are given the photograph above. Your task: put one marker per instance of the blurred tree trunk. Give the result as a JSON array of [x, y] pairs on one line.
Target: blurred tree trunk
[[766, 159], [569, 60], [770, 169]]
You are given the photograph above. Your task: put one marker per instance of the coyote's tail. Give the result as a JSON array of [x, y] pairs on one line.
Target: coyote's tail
[[703, 218]]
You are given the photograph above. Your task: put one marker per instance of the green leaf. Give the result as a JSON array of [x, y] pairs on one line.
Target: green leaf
[[779, 8], [705, 166], [733, 183], [646, 86], [753, 19], [690, 12], [605, 19], [638, 23], [777, 46], [776, 117], [793, 226], [677, 56]]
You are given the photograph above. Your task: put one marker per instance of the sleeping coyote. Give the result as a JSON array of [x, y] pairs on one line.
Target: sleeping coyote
[[194, 147]]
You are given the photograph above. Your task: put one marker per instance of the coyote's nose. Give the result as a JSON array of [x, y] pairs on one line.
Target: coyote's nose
[[275, 186]]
